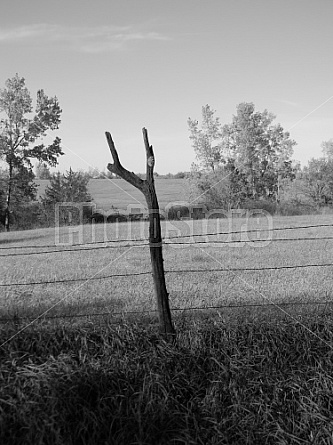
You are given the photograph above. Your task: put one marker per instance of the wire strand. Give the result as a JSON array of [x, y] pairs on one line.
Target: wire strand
[[74, 280], [166, 243], [172, 237], [229, 269]]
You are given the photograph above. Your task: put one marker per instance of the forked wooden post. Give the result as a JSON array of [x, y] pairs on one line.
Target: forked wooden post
[[147, 187]]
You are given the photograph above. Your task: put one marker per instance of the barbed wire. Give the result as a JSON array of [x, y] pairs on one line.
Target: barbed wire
[[74, 280], [259, 240], [61, 250], [276, 229], [228, 269], [175, 309], [166, 243], [249, 269], [46, 246], [140, 240]]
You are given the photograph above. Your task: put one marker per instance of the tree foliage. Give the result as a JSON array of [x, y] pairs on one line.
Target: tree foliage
[[23, 192], [68, 187], [317, 179], [71, 187], [225, 187], [43, 171], [206, 140], [246, 159], [260, 150], [20, 132], [327, 148]]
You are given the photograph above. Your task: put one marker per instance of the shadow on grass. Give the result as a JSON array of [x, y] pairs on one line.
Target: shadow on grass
[[254, 383], [21, 311], [10, 238]]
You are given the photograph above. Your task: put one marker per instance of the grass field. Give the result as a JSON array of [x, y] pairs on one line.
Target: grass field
[[236, 375], [187, 289], [120, 194]]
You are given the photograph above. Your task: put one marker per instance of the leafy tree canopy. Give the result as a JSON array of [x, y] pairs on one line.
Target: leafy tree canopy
[[318, 181], [43, 171], [262, 151], [206, 141], [327, 147], [18, 132], [23, 191], [251, 153], [68, 187]]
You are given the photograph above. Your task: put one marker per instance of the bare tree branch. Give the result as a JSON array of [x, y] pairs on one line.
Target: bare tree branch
[[118, 169], [149, 156]]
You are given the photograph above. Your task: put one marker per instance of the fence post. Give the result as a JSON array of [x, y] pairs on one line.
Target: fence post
[[147, 187]]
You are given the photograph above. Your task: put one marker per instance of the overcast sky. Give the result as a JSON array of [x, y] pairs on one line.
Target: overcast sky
[[127, 64]]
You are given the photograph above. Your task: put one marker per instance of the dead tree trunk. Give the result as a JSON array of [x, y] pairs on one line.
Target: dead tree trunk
[[147, 187]]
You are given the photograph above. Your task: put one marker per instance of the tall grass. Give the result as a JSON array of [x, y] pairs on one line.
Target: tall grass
[[238, 383]]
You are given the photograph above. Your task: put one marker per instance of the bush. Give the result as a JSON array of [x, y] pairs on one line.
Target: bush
[[178, 211], [262, 204], [284, 208], [66, 214], [97, 218], [117, 218], [295, 208], [27, 216]]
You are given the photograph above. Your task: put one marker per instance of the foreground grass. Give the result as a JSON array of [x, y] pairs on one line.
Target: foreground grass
[[245, 382]]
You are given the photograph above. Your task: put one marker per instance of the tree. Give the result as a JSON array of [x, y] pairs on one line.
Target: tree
[[94, 173], [71, 187], [249, 158], [206, 140], [23, 192], [260, 150], [318, 181], [42, 171], [19, 134], [3, 183], [327, 148], [225, 187], [68, 187], [180, 175]]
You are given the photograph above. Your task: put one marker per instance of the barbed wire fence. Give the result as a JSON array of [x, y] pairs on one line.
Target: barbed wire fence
[[141, 243]]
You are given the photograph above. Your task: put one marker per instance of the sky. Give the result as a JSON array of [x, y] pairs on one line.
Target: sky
[[121, 65]]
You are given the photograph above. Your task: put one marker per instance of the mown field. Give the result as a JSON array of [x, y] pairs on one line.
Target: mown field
[[120, 194], [238, 374]]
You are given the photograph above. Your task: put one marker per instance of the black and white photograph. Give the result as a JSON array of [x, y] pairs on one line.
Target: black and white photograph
[[166, 222]]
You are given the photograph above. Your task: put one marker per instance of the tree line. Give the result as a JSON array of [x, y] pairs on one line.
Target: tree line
[[42, 171], [247, 163]]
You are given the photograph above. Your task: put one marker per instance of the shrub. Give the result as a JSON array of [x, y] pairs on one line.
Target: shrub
[[117, 218], [27, 216], [295, 208], [262, 204], [178, 211]]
